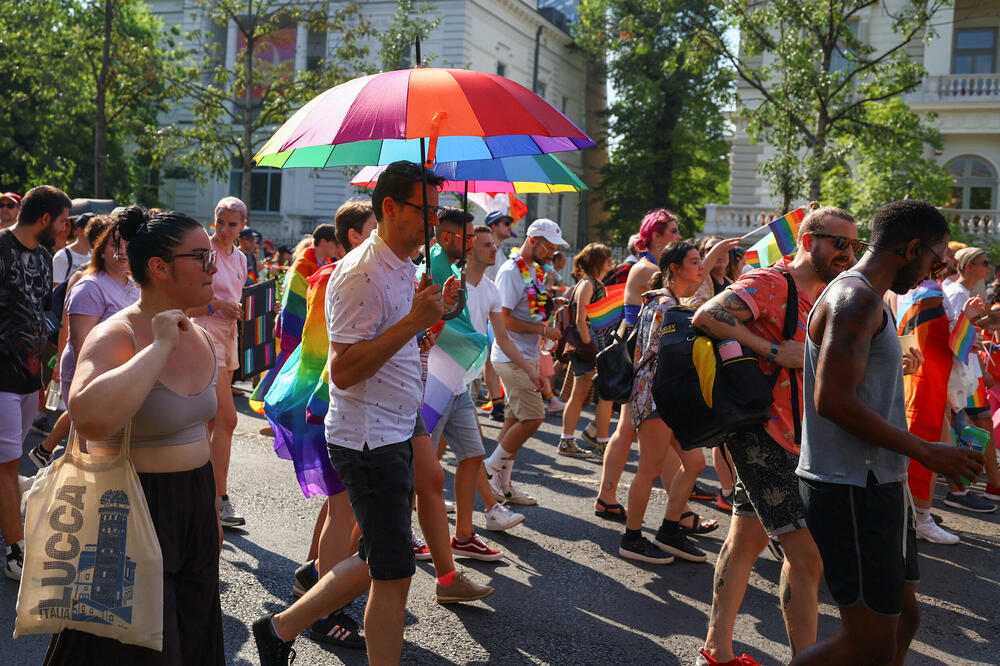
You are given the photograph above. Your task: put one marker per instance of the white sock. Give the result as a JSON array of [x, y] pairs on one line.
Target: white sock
[[496, 459], [568, 436], [505, 472], [603, 439]]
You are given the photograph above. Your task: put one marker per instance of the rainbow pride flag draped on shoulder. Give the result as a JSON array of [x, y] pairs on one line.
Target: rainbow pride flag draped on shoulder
[[921, 312], [610, 310], [296, 437], [460, 350], [288, 326]]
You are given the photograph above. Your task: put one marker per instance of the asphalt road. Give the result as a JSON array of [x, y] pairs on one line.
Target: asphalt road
[[563, 595]]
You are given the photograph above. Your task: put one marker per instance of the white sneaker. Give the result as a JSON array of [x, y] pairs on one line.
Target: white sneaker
[[15, 560], [449, 506], [493, 475], [500, 518], [928, 530], [227, 514], [555, 405], [518, 496]]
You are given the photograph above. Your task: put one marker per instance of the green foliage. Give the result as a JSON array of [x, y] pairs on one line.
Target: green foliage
[[667, 123], [812, 88], [236, 109], [886, 164], [407, 25], [50, 60]]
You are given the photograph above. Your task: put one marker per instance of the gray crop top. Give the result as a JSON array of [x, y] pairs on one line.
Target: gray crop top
[[167, 418]]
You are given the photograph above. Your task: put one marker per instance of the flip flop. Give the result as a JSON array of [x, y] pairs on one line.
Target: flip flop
[[613, 512], [700, 526]]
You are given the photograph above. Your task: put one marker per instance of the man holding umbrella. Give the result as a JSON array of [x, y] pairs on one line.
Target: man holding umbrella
[[373, 320]]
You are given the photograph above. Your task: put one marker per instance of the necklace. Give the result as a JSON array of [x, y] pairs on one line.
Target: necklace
[[534, 288]]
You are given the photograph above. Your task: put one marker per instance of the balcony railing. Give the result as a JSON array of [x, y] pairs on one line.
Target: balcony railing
[[972, 87], [731, 221]]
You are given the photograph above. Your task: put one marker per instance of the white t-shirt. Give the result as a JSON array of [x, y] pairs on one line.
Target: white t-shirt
[[482, 300], [511, 288], [955, 296], [371, 290], [64, 263]]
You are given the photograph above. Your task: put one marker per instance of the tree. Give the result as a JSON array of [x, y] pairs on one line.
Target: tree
[[666, 122], [812, 84], [236, 108], [407, 25], [83, 84]]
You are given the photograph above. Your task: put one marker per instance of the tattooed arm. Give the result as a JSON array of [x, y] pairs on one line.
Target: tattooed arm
[[724, 318]]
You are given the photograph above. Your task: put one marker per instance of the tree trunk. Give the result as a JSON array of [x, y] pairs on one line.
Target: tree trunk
[[100, 102]]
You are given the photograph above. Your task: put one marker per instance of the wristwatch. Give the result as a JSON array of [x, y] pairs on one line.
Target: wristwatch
[[773, 356]]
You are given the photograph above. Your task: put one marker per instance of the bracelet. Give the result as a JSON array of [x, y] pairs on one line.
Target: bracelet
[[543, 329], [773, 356], [210, 309]]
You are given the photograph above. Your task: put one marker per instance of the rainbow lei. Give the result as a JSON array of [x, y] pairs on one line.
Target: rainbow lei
[[538, 298]]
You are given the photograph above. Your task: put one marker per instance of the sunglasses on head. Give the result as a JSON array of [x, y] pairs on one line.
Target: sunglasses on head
[[841, 242]]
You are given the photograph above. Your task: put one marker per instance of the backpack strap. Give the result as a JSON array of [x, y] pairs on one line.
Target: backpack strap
[[791, 325]]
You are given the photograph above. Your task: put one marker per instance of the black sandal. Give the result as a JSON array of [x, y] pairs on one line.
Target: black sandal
[[613, 512], [339, 629], [699, 526]]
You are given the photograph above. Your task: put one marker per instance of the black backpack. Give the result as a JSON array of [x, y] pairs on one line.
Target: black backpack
[[704, 399]]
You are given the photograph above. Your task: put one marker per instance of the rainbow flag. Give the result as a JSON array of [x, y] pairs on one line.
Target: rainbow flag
[[608, 311], [766, 250], [785, 230], [961, 339], [296, 437], [978, 399], [288, 325], [753, 258]]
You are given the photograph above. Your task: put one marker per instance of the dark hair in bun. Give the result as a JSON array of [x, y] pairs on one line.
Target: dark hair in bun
[[675, 253], [148, 236]]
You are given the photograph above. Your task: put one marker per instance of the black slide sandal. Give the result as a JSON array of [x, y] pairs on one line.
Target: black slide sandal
[[613, 512]]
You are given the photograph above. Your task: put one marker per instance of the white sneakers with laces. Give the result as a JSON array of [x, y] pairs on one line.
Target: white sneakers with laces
[[928, 530]]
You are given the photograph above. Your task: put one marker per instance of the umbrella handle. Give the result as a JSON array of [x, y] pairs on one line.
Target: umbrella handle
[[460, 303]]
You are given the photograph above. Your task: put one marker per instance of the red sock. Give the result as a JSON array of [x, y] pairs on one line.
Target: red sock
[[447, 579]]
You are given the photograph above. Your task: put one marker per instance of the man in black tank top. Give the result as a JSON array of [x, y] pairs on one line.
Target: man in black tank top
[[855, 444]]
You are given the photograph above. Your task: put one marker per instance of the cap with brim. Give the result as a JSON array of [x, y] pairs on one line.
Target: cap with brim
[[547, 229], [249, 233], [497, 216], [13, 196], [82, 219]]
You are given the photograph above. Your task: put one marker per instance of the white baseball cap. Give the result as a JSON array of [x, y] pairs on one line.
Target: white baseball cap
[[548, 230]]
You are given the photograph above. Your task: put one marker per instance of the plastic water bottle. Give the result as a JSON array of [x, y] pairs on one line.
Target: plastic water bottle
[[974, 439], [53, 395]]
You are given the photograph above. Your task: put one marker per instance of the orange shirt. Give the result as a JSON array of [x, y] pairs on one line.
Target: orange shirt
[[765, 291]]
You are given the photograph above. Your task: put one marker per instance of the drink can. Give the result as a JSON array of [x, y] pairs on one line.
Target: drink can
[[974, 439]]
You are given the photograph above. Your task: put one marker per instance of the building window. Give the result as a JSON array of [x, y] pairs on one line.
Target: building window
[[975, 51], [975, 183], [501, 69], [265, 188], [315, 49]]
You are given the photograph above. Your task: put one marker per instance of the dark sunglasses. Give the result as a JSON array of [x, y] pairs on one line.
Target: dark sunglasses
[[939, 262], [206, 257], [841, 242], [8, 205]]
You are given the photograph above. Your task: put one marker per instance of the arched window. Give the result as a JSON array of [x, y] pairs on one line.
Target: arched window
[[975, 183]]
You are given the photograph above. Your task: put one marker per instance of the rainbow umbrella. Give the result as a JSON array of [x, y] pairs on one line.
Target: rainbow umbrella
[[382, 118], [523, 174]]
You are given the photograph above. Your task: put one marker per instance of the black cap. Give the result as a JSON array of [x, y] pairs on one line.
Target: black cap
[[249, 233], [82, 219]]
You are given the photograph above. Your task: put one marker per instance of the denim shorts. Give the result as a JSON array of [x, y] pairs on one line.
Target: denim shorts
[[460, 428], [866, 539], [578, 366], [379, 483]]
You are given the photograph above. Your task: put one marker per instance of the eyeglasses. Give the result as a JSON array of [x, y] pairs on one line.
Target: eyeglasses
[[206, 257], [939, 264], [431, 210], [8, 205], [841, 242]]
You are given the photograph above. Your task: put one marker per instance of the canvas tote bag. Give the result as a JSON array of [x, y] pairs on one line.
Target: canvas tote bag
[[92, 561]]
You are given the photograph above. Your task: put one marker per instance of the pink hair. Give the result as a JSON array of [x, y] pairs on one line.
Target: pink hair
[[655, 221]]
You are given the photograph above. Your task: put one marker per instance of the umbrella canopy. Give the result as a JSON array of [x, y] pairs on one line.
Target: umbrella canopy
[[95, 206], [514, 175], [381, 118]]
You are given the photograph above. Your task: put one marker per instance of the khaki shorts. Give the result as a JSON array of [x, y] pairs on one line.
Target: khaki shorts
[[224, 342], [523, 401]]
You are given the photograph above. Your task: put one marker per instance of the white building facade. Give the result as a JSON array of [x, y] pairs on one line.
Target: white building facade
[[962, 87], [524, 41]]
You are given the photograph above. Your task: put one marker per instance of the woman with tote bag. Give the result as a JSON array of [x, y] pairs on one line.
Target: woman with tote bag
[[148, 375]]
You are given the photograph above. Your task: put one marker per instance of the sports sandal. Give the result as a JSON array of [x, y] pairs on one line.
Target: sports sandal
[[613, 512], [698, 526]]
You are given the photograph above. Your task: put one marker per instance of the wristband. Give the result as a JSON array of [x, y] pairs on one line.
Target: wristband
[[632, 314], [210, 309], [773, 356]]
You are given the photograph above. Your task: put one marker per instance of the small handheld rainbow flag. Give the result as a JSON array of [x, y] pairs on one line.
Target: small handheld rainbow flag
[[786, 230], [753, 258], [978, 399], [608, 311], [961, 339]]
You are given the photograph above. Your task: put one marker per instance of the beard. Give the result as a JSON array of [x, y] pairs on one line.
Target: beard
[[906, 278], [48, 238], [829, 268]]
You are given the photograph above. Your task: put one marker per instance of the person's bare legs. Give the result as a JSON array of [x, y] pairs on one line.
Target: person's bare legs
[[615, 457], [602, 418], [10, 503], [221, 429], [335, 535], [799, 587], [484, 490], [724, 470], [492, 380], [428, 477], [384, 619], [467, 477], [692, 465], [317, 530], [653, 438], [745, 541], [571, 413], [60, 431], [866, 637]]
